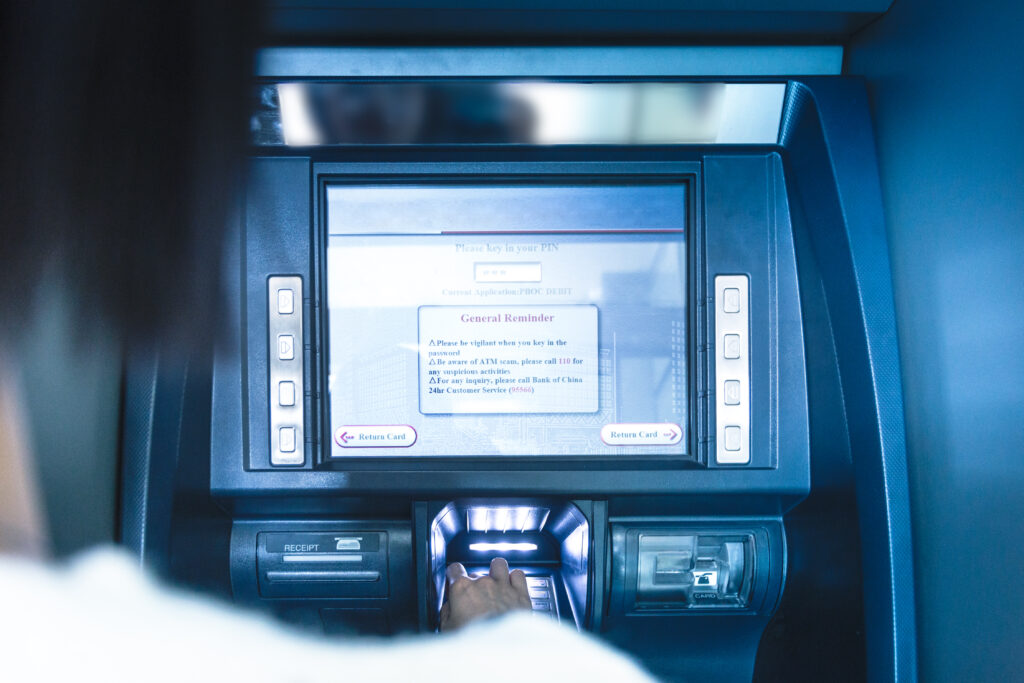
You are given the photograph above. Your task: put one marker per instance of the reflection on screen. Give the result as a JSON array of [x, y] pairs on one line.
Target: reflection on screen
[[566, 337]]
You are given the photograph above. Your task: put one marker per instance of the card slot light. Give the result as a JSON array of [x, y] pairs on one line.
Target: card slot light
[[502, 547]]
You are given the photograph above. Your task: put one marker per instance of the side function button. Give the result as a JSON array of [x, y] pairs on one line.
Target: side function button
[[732, 370], [285, 301], [732, 392], [731, 300], [286, 347], [732, 437], [286, 387], [286, 394], [287, 439], [731, 346]]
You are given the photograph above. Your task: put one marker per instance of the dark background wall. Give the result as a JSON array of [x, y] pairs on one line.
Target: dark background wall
[[946, 78]]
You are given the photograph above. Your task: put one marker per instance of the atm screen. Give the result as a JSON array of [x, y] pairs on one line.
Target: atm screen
[[507, 319]]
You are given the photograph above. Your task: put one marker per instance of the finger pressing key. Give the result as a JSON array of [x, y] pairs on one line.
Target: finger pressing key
[[499, 569], [518, 580], [456, 571]]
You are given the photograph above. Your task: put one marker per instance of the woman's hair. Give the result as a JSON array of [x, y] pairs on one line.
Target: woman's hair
[[122, 128]]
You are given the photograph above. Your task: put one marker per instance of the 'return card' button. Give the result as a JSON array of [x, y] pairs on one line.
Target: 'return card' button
[[641, 434], [375, 436]]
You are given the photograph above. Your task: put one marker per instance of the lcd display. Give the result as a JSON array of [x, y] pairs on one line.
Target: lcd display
[[507, 320]]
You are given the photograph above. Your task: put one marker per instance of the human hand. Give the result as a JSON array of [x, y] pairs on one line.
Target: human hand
[[495, 593]]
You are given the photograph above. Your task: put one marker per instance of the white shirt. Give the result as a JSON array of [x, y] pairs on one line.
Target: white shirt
[[101, 618]]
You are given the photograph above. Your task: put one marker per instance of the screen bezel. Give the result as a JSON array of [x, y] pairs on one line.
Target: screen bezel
[[684, 174]]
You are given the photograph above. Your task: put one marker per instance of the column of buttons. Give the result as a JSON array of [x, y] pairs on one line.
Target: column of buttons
[[284, 298], [732, 370], [542, 595]]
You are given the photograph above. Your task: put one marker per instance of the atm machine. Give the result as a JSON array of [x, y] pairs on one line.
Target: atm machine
[[619, 315]]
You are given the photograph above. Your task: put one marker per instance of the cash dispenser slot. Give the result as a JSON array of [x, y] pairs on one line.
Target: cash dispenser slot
[[332, 564], [672, 569], [549, 542], [696, 570]]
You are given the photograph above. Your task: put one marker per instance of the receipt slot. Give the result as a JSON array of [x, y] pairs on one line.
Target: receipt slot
[[327, 574], [323, 564]]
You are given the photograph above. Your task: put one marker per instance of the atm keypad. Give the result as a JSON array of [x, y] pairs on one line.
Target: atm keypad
[[286, 388], [542, 595], [732, 370]]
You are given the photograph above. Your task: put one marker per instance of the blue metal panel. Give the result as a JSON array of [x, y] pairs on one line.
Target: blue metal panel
[[829, 150]]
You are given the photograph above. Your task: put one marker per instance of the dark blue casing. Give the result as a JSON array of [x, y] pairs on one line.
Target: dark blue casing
[[738, 206]]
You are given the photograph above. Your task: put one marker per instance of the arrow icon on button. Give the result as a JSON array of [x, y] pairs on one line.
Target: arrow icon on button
[[672, 434], [344, 437]]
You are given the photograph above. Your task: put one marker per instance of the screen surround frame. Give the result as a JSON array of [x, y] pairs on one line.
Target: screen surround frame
[[684, 173]]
